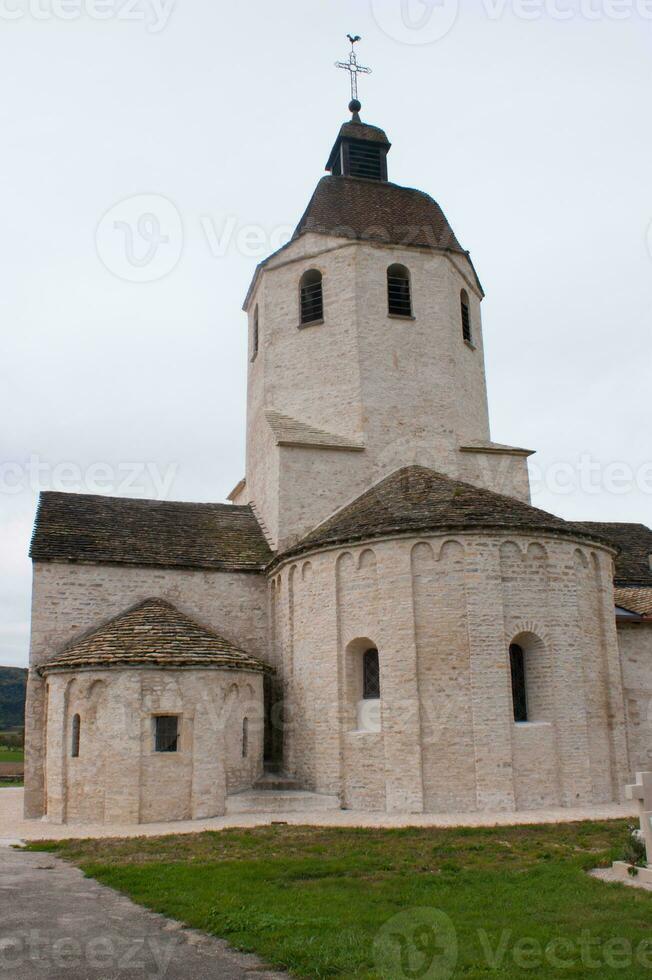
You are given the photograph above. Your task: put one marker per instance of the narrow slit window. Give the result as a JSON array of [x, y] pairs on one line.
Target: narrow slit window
[[371, 676], [467, 332], [76, 735], [167, 733], [312, 297], [519, 688], [398, 291], [245, 738]]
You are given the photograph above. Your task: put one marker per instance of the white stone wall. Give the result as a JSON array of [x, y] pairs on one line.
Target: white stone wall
[[411, 390], [70, 599], [443, 612], [635, 641], [503, 473], [118, 777]]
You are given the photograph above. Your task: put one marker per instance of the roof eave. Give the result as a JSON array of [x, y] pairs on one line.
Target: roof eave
[[428, 529], [89, 665]]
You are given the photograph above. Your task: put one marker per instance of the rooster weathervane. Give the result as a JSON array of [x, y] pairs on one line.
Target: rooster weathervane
[[354, 70]]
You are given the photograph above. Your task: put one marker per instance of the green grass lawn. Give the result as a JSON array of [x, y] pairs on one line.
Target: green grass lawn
[[11, 755], [500, 902]]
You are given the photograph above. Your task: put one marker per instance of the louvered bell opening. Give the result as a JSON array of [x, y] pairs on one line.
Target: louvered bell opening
[[400, 300], [312, 299], [366, 161]]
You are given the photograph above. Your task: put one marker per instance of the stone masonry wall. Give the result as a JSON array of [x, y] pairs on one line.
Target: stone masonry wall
[[70, 599], [118, 777], [411, 390], [635, 641], [443, 612]]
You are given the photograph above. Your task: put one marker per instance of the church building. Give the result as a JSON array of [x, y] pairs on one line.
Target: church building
[[379, 620]]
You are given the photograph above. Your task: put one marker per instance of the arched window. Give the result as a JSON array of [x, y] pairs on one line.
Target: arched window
[[245, 738], [398, 291], [76, 732], [256, 335], [312, 297], [467, 332], [519, 685], [371, 676]]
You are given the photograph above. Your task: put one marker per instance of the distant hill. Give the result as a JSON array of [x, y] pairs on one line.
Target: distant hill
[[13, 681]]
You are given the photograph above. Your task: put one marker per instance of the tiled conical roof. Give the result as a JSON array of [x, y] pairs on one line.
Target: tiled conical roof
[[153, 634], [417, 500]]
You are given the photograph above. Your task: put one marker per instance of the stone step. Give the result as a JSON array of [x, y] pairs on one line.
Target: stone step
[[279, 801], [275, 782]]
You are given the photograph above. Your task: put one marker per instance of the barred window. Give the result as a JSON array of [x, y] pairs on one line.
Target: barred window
[[167, 733], [76, 734], [312, 297], [467, 333], [371, 676], [245, 738], [398, 291], [519, 687]]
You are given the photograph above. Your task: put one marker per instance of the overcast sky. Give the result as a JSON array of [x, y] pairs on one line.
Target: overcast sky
[[123, 361]]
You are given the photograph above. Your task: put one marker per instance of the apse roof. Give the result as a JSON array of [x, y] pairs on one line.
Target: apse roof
[[419, 500], [153, 634]]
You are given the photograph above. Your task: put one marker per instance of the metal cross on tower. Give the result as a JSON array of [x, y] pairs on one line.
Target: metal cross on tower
[[353, 68]]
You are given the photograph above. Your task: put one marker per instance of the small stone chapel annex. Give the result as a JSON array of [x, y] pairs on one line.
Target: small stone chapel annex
[[379, 619]]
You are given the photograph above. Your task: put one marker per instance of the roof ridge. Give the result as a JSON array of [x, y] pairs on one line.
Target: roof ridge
[[144, 500]]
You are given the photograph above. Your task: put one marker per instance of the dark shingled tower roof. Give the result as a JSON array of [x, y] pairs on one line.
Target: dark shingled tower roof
[[362, 205], [417, 500], [115, 530], [349, 207], [153, 634]]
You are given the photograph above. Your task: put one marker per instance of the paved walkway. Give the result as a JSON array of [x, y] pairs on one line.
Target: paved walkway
[[13, 828], [57, 925]]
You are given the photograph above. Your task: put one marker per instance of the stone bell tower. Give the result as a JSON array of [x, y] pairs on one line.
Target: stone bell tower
[[365, 350]]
